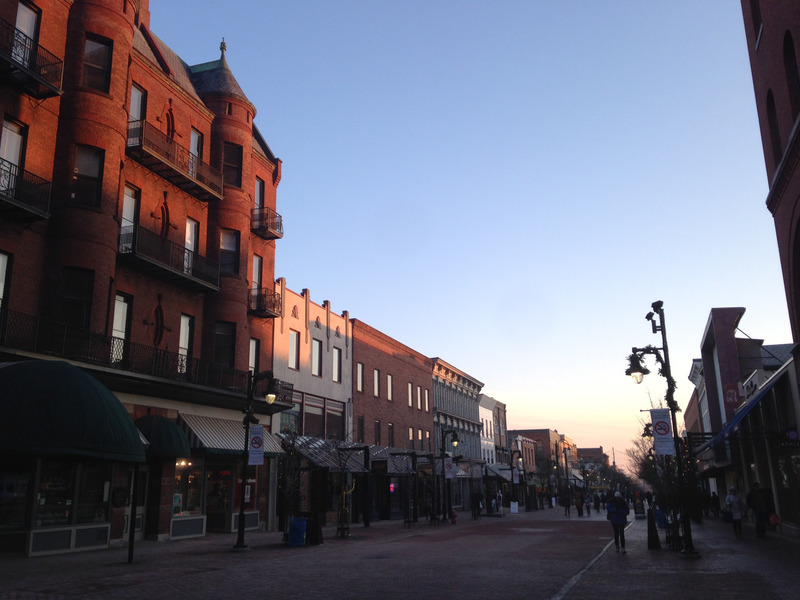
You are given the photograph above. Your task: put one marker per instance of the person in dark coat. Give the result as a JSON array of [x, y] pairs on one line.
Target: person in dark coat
[[618, 511]]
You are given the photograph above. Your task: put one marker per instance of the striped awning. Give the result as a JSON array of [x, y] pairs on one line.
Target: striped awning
[[222, 436]]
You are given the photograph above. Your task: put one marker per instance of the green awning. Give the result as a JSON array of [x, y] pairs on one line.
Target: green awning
[[166, 439], [53, 408]]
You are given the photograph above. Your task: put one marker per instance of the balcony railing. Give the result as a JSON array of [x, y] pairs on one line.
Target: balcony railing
[[162, 155], [154, 250], [37, 71], [264, 303], [23, 192], [34, 334], [266, 223]]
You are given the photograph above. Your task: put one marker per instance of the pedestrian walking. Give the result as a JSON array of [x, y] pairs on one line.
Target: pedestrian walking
[[734, 507], [499, 502], [715, 505], [579, 504], [618, 511], [589, 505], [567, 502], [756, 503]]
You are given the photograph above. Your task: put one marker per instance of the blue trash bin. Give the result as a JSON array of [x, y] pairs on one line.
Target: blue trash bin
[[297, 531]]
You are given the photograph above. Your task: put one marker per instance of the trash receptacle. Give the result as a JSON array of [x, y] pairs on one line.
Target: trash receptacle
[[297, 531]]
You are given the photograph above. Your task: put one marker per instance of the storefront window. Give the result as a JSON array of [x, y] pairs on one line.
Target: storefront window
[[55, 494], [219, 489], [94, 484], [335, 420], [187, 497], [313, 423], [13, 496], [290, 419]]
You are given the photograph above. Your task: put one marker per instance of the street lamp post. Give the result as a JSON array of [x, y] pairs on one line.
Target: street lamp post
[[638, 371], [446, 500], [249, 418]]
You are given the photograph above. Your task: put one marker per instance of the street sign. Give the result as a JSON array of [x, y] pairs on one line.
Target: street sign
[[663, 442], [256, 445]]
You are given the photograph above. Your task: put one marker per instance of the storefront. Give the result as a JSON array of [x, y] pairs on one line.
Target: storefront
[[208, 484], [67, 454]]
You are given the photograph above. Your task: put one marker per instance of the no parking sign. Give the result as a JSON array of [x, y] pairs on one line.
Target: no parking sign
[[256, 454]]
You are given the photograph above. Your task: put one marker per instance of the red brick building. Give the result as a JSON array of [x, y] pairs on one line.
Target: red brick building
[[392, 406], [137, 240]]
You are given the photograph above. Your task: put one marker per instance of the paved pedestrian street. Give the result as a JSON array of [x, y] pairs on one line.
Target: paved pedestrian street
[[531, 555]]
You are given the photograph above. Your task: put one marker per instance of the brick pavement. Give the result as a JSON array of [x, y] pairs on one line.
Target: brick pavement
[[540, 554]]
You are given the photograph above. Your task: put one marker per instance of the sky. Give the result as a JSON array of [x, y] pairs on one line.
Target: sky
[[510, 185]]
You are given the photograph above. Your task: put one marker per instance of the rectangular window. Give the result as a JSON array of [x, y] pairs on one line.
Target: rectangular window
[[96, 63], [190, 244], [87, 175], [334, 420], [419, 438], [76, 296], [232, 165], [313, 421], [138, 108], [195, 151], [26, 36], [410, 395], [411, 438], [389, 387], [294, 349], [428, 440], [337, 364], [360, 430], [129, 219], [224, 343], [229, 252], [390, 431], [258, 198], [121, 326], [12, 151], [5, 273], [252, 361], [427, 406], [419, 398], [376, 383], [185, 342], [316, 357], [359, 377], [377, 441]]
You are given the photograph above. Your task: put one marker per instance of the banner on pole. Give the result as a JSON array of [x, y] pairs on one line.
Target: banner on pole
[[256, 445], [663, 442], [449, 468]]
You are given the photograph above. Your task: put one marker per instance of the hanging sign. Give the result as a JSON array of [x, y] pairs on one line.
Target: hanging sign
[[256, 445], [449, 468], [663, 442]]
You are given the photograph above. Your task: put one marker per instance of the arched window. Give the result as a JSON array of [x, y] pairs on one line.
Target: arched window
[[170, 124], [774, 131], [792, 78]]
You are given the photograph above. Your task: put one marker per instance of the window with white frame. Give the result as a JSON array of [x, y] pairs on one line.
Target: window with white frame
[[359, 377], [427, 405], [376, 383], [316, 357], [337, 364], [410, 395], [294, 349], [389, 387], [419, 398]]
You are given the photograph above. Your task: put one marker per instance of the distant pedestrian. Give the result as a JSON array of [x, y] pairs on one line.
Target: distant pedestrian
[[589, 505], [715, 505], [756, 503], [499, 502], [567, 502], [579, 504], [734, 505], [618, 511]]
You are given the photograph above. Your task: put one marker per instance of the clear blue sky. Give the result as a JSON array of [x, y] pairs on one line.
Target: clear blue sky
[[509, 185]]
